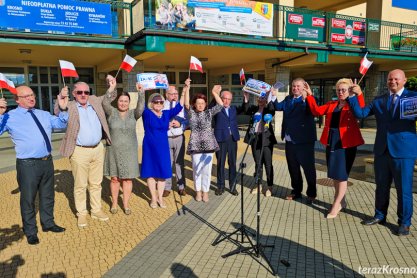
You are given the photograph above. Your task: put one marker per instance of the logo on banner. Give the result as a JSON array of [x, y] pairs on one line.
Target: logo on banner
[[318, 22], [295, 18], [358, 40], [349, 31], [338, 23], [359, 26], [340, 38]]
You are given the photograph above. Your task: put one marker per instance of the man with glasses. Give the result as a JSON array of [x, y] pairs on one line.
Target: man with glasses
[[87, 126], [30, 130], [227, 135], [176, 142]]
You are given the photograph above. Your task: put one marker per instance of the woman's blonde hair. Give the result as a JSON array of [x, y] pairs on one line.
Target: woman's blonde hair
[[151, 97], [346, 81]]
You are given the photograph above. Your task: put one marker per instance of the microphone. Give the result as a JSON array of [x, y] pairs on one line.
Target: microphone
[[267, 120], [257, 117]]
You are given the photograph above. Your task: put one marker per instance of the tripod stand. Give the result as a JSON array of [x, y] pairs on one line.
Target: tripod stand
[[256, 249]]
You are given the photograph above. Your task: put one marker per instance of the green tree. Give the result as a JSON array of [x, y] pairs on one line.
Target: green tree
[[411, 83]]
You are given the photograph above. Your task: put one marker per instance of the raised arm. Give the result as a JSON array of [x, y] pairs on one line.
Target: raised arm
[[216, 94], [140, 106], [185, 95], [62, 101], [109, 96]]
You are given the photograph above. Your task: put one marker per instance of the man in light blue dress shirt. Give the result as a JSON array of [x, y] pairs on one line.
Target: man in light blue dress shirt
[[30, 129]]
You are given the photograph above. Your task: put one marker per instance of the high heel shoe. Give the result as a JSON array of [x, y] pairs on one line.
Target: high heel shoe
[[113, 210], [331, 216], [153, 205], [128, 211], [162, 205]]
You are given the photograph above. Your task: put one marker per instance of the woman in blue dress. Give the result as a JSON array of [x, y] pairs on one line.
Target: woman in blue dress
[[156, 161]]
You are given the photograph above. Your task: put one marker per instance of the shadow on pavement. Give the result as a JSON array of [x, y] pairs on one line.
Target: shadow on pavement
[[53, 275], [64, 183], [9, 268], [9, 235], [180, 270], [283, 252]]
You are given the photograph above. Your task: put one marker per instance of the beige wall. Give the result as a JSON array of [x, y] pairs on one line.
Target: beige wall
[[357, 11]]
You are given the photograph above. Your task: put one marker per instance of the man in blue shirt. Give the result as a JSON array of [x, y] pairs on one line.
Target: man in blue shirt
[[30, 129]]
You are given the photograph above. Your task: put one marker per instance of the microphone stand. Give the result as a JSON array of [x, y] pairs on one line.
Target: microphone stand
[[258, 248]]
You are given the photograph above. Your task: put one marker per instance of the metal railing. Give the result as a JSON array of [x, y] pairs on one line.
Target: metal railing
[[366, 33]]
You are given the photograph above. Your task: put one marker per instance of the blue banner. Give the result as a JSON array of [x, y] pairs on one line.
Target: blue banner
[[405, 4], [65, 16]]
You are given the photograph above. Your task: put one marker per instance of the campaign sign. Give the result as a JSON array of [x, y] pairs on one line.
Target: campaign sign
[[256, 87], [66, 16], [408, 108], [150, 81]]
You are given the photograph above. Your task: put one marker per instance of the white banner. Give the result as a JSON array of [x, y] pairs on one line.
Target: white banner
[[151, 81], [234, 16], [256, 87]]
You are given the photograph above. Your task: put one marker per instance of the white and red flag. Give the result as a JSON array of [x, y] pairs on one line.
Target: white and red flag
[[242, 76], [67, 69], [195, 64], [365, 65], [128, 63], [7, 84]]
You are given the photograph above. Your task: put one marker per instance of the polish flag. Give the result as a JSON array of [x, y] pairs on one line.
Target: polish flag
[[195, 64], [67, 69], [7, 84], [242, 76], [365, 65], [128, 63]]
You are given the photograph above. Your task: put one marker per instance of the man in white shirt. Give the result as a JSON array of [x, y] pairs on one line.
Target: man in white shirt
[[176, 142]]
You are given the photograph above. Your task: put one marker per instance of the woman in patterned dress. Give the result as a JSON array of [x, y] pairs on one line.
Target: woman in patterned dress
[[121, 161], [202, 143]]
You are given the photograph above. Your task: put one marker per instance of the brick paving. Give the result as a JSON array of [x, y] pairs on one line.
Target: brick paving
[[177, 241]]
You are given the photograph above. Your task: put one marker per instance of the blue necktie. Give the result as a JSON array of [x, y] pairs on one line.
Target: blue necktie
[[392, 106], [45, 137]]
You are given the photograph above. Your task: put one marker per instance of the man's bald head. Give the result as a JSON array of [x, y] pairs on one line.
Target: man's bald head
[[396, 80], [25, 97]]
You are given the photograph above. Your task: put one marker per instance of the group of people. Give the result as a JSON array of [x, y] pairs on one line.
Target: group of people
[[90, 119]]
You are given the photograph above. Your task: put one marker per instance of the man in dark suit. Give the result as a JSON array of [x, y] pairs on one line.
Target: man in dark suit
[[394, 149], [299, 132], [227, 135]]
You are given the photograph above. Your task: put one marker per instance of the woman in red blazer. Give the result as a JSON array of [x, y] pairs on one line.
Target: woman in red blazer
[[341, 136]]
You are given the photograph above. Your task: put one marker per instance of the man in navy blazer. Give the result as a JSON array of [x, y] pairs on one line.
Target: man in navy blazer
[[299, 132], [394, 149], [227, 135]]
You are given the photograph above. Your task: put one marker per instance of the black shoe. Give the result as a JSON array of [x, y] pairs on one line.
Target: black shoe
[[373, 221], [234, 192], [310, 200], [219, 191], [33, 239], [54, 229], [403, 230]]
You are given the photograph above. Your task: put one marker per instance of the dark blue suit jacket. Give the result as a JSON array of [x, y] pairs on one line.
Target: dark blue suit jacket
[[298, 121], [225, 125], [398, 135]]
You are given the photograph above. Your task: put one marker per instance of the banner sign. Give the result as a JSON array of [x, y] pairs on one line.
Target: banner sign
[[66, 16], [306, 26], [408, 108], [151, 81], [228, 16], [256, 87], [347, 31]]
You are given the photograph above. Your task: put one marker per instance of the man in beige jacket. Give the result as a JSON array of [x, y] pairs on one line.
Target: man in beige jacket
[[87, 126]]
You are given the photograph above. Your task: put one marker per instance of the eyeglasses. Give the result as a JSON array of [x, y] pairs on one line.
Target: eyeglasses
[[158, 102], [82, 92], [27, 96], [342, 90]]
